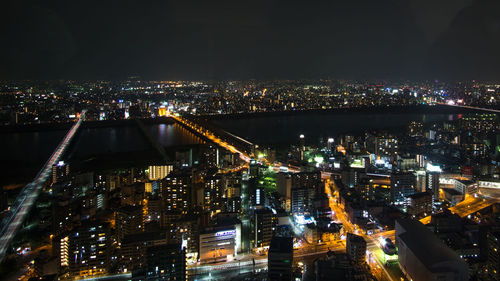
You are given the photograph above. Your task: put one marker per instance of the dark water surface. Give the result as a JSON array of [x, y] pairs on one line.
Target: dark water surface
[[281, 129], [24, 153]]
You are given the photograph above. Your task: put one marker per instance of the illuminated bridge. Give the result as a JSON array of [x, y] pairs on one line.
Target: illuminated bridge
[[244, 149], [470, 107], [28, 195], [228, 141]]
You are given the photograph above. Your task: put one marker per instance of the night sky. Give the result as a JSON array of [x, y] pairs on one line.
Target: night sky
[[261, 39]]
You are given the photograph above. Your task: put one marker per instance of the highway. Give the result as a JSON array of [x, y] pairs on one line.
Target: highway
[[242, 264], [197, 128], [243, 155], [28, 195], [470, 107]]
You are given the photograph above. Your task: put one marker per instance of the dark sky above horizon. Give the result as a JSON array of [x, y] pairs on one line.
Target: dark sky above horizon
[[262, 39]]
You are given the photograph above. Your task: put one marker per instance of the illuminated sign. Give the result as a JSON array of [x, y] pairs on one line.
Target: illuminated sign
[[225, 233], [433, 168], [358, 163]]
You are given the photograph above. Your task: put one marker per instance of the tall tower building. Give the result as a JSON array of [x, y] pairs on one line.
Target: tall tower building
[[59, 171], [176, 191], [432, 181], [85, 251]]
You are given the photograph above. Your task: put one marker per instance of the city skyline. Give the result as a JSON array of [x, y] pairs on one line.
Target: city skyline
[[262, 140]]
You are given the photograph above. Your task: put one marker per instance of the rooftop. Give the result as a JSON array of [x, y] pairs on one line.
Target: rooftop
[[281, 245], [426, 246]]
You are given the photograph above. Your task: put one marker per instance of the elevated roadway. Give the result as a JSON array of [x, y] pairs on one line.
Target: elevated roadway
[[28, 195], [470, 107]]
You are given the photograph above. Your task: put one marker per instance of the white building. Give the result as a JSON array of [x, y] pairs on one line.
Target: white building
[[219, 243]]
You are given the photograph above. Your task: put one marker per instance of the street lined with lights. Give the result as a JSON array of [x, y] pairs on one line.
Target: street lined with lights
[[28, 195]]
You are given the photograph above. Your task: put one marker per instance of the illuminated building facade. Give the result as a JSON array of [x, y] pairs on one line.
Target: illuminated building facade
[[159, 172], [263, 227], [89, 248], [419, 204], [213, 193], [175, 190], [302, 198], [217, 244], [162, 111], [432, 180], [402, 185], [59, 171]]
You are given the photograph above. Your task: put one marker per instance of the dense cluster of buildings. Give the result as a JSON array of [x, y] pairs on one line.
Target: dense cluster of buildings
[[375, 199], [33, 103]]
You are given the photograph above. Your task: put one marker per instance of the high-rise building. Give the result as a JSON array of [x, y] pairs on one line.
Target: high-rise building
[[176, 191], [257, 193], [59, 171], [302, 199], [329, 144], [85, 251], [166, 262], [420, 181], [184, 158], [386, 146], [159, 172], [129, 220], [209, 156], [284, 188], [432, 181], [356, 248], [302, 146], [402, 185], [232, 188], [419, 204], [263, 227], [133, 249], [280, 259], [493, 261], [311, 180], [213, 193]]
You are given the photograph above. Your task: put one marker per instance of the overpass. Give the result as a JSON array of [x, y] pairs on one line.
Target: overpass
[[28, 195]]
